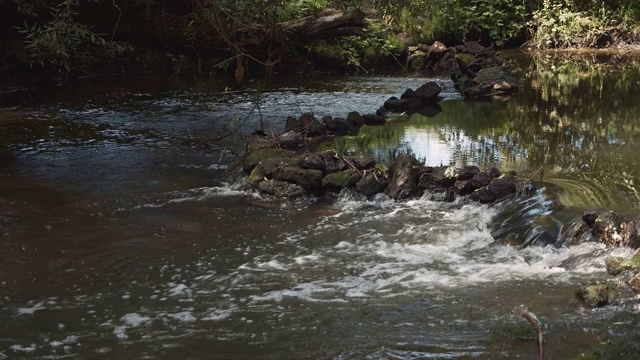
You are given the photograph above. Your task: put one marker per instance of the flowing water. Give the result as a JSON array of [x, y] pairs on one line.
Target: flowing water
[[124, 236]]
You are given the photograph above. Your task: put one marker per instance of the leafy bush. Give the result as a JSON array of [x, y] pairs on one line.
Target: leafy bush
[[62, 41]]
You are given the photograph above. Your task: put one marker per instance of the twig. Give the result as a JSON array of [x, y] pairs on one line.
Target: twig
[[351, 165], [118, 21], [533, 320]]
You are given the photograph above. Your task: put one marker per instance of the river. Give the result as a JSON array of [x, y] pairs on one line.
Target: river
[[125, 234]]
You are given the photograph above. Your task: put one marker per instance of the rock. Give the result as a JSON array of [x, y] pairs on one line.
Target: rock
[[404, 177], [255, 157], [256, 176], [337, 126], [361, 162], [498, 189], [341, 179], [395, 104], [631, 233], [374, 120], [598, 294], [281, 189], [257, 142], [473, 47], [417, 60], [468, 172], [311, 161], [473, 92], [355, 120], [372, 182], [608, 226], [503, 87], [290, 139], [463, 187], [310, 126], [333, 162], [464, 60], [436, 177], [442, 194], [634, 283], [492, 75], [409, 93], [436, 51], [616, 265], [309, 179], [271, 167], [482, 179], [428, 92]]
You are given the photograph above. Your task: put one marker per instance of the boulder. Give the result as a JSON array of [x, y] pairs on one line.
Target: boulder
[[464, 60], [342, 179], [337, 126], [468, 172], [333, 162], [498, 189], [290, 139], [473, 47], [436, 51], [309, 179], [404, 177], [281, 189], [361, 162], [599, 294], [253, 158], [374, 120], [631, 233], [616, 265], [428, 92], [311, 161], [372, 182], [436, 177], [258, 141], [355, 120], [417, 60]]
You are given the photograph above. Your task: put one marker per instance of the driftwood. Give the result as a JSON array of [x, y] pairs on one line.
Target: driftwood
[[533, 320], [328, 23]]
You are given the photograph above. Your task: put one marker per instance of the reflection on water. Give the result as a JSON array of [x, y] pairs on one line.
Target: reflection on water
[[123, 235]]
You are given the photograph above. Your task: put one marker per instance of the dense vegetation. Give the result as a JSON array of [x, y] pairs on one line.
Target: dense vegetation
[[205, 36]]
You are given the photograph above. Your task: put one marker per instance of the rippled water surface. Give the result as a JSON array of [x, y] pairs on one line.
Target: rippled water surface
[[125, 235]]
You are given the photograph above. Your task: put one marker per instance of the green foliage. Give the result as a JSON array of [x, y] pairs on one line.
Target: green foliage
[[569, 23], [497, 21], [368, 49], [60, 41]]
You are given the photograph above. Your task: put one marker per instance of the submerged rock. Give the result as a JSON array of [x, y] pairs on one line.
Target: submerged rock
[[599, 294], [617, 265]]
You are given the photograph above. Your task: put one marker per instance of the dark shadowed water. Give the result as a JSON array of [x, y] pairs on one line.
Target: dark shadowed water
[[124, 235]]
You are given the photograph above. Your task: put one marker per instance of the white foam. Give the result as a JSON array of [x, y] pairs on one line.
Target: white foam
[[218, 315], [185, 316], [32, 309], [180, 290], [134, 319], [24, 349]]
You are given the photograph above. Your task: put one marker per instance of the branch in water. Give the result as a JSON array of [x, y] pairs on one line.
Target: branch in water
[[533, 320]]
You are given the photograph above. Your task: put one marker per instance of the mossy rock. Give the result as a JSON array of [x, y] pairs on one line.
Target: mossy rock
[[341, 179], [617, 265], [599, 294], [417, 60], [464, 60], [252, 159], [256, 176]]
